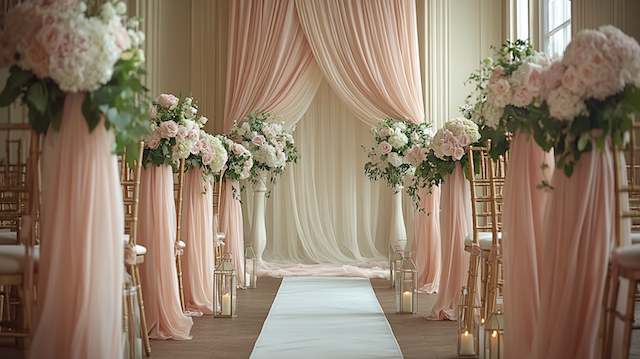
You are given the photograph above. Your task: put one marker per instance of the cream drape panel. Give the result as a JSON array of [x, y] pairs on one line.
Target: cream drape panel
[[270, 66], [368, 52]]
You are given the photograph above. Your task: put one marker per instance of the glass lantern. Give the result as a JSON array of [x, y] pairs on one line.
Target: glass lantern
[[468, 327], [250, 268], [396, 256], [406, 279], [494, 336], [225, 282]]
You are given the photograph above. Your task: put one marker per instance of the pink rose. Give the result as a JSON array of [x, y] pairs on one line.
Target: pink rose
[[121, 36], [168, 129], [416, 155], [522, 97], [496, 74], [258, 140], [571, 81], [167, 101], [153, 140], [384, 148], [500, 92], [37, 59], [552, 76]]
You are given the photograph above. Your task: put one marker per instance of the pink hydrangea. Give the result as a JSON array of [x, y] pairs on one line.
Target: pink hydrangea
[[416, 155]]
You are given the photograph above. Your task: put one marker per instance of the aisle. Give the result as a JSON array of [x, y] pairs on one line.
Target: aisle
[[326, 317]]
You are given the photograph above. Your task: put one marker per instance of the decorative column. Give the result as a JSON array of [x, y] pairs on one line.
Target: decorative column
[[398, 233], [258, 227]]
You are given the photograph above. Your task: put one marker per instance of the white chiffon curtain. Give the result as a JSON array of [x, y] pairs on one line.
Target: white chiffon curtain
[[324, 209]]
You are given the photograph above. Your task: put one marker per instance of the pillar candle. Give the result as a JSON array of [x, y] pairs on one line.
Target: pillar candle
[[226, 304], [466, 344], [407, 302]]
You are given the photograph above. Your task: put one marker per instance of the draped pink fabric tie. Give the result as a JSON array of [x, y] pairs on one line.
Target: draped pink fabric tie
[[578, 234], [231, 224], [157, 232], [455, 226], [427, 241], [197, 233], [81, 256], [523, 212]]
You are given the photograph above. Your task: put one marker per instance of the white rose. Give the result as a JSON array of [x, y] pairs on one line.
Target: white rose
[[398, 139], [395, 159]]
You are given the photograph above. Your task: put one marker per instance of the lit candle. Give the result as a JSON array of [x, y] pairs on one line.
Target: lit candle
[[466, 344], [226, 304], [493, 344], [407, 302]]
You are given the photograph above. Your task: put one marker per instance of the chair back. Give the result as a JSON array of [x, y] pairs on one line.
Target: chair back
[[486, 179], [627, 184], [217, 203], [130, 171]]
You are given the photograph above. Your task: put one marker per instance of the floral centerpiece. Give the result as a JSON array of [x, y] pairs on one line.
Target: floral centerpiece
[[591, 94], [448, 148], [240, 161], [175, 134], [209, 154], [59, 47], [271, 145], [399, 146], [508, 94]]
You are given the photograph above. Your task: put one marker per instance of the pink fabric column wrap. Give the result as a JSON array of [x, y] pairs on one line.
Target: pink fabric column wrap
[[157, 232], [231, 224], [455, 225], [578, 234], [523, 212], [197, 233], [427, 241], [81, 256]]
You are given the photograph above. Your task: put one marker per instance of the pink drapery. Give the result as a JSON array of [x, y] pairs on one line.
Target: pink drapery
[[157, 232], [578, 235], [455, 226], [81, 256], [523, 213], [232, 218], [427, 241], [197, 233], [368, 52]]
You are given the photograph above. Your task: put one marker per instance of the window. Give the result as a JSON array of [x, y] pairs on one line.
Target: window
[[522, 19], [556, 26]]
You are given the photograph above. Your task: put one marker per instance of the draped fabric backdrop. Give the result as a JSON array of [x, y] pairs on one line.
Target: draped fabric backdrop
[[323, 210]]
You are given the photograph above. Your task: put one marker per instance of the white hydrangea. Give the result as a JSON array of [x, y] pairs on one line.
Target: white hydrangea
[[398, 139]]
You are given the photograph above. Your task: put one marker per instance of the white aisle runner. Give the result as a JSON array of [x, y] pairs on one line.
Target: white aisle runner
[[326, 317]]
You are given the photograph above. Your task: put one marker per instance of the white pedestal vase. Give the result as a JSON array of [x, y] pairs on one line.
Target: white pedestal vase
[[398, 232], [258, 227]]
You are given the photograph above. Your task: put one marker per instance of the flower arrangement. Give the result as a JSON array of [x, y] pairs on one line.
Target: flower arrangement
[[55, 47], [399, 147], [270, 144], [175, 134], [448, 147], [591, 94], [239, 161], [209, 154], [508, 94]]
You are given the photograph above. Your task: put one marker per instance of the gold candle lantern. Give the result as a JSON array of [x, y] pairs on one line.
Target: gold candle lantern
[[250, 268], [225, 282], [494, 336]]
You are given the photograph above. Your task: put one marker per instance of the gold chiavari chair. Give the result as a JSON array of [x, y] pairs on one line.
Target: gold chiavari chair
[[180, 245], [624, 265], [20, 193], [219, 236], [134, 253], [486, 179]]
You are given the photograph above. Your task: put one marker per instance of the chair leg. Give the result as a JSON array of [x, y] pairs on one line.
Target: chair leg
[[143, 317], [472, 281], [611, 312], [180, 287], [628, 317], [129, 323]]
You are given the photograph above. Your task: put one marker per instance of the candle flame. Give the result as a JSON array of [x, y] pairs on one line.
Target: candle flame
[[482, 320], [494, 333], [466, 332]]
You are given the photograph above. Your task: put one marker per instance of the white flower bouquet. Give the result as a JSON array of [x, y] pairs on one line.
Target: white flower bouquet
[[175, 135], [399, 147], [56, 47], [270, 144]]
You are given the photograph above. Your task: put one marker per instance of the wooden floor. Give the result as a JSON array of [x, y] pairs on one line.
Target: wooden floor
[[234, 338]]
